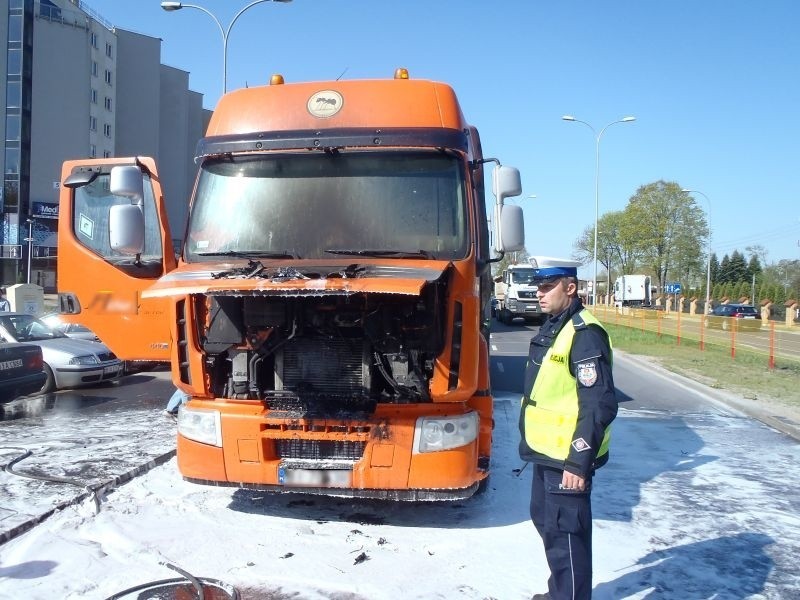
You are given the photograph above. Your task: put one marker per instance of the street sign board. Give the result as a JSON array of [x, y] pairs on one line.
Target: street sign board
[[672, 288]]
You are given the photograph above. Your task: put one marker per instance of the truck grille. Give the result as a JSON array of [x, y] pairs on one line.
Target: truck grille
[[319, 450], [528, 295]]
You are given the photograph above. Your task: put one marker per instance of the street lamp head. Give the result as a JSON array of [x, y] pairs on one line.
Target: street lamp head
[[628, 119], [170, 6], [568, 118]]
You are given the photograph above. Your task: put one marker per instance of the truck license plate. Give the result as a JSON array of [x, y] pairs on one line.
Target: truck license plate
[[314, 477]]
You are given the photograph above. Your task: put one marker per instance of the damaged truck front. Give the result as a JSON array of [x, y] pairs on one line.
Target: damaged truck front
[[327, 312]]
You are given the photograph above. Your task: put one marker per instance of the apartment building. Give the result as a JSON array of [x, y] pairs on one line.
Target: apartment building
[[78, 86]]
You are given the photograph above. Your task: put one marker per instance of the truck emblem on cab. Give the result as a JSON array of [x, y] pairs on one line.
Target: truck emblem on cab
[[325, 103]]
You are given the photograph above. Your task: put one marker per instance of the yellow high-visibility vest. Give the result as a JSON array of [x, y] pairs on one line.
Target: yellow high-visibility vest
[[551, 411]]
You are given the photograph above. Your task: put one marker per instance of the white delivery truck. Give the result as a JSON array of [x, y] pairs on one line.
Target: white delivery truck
[[515, 290], [633, 290]]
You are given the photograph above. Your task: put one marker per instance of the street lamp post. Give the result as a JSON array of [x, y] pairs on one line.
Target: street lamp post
[[171, 6], [29, 239], [598, 137], [708, 250]]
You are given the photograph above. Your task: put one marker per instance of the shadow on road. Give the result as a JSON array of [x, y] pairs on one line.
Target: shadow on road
[[733, 567]]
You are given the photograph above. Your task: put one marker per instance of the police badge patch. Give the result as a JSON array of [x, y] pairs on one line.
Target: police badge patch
[[587, 373], [580, 445]]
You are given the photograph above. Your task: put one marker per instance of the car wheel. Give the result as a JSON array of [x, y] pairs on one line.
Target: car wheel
[[50, 382]]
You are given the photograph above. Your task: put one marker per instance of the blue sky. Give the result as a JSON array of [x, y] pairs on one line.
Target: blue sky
[[714, 86]]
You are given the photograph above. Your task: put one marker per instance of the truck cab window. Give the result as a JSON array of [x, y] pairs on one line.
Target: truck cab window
[[90, 221], [320, 205]]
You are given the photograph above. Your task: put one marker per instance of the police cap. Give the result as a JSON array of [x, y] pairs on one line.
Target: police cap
[[550, 269]]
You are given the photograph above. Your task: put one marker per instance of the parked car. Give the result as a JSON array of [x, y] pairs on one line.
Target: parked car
[[747, 317], [68, 362], [73, 330], [21, 370]]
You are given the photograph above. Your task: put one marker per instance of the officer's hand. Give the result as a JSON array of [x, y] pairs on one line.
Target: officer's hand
[[570, 481]]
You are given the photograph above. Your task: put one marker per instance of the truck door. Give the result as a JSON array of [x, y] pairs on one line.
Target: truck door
[[100, 288]]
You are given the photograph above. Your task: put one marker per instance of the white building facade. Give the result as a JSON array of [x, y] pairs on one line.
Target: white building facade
[[77, 87]]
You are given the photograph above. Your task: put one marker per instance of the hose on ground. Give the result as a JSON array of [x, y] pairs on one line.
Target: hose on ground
[[196, 582], [51, 478]]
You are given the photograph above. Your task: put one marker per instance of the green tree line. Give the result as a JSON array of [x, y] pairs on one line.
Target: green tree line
[[664, 233]]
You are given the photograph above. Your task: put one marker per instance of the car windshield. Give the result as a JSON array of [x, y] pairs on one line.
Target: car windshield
[[398, 204], [26, 328]]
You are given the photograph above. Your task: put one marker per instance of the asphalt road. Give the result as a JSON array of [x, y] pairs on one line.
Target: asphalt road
[[703, 496]]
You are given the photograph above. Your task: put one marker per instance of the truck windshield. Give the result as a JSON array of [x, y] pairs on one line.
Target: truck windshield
[[523, 277], [330, 205]]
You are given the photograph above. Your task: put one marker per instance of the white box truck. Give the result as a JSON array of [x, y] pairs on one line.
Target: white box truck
[[633, 290]]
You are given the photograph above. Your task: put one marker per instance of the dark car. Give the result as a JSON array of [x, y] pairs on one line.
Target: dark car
[[21, 370], [746, 317]]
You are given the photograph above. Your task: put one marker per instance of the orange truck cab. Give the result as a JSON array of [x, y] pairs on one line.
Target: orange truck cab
[[327, 311]]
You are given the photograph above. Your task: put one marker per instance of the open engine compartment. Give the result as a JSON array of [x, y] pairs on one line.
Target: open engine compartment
[[322, 355]]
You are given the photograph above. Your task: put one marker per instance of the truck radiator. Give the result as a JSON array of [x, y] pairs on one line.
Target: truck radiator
[[319, 367]]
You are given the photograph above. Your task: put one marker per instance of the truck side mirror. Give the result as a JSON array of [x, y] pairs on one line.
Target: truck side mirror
[[511, 237], [126, 181], [126, 221], [509, 225]]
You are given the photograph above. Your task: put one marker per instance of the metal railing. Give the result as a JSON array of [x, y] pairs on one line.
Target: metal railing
[[769, 339]]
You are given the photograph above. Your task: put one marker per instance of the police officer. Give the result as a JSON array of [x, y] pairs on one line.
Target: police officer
[[567, 408]]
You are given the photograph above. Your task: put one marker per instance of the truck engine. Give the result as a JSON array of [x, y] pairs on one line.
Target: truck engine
[[322, 355]]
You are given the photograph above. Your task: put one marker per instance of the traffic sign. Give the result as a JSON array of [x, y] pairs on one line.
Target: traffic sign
[[672, 288]]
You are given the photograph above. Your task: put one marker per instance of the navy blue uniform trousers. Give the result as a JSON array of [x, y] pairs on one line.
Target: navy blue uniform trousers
[[564, 520]]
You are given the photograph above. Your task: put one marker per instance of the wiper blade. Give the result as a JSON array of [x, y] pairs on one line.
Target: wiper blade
[[392, 253], [250, 254]]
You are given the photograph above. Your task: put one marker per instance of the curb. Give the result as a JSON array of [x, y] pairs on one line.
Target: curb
[[97, 492]]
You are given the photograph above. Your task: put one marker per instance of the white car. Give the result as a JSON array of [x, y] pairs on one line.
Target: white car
[[73, 330], [68, 362]]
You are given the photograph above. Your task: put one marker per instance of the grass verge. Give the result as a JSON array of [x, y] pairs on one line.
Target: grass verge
[[747, 375]]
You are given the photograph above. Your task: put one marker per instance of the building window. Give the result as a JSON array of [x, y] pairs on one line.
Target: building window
[[94, 68], [108, 77], [92, 123], [14, 65], [12, 161], [94, 96], [108, 103], [13, 94], [106, 154], [12, 127], [93, 39], [92, 151], [109, 50], [107, 130]]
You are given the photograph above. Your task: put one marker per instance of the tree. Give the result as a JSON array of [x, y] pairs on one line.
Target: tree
[[714, 267], [724, 268], [737, 268], [754, 267], [672, 228], [617, 244]]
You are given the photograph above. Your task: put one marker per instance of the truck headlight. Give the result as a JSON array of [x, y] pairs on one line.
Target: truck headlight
[[433, 434], [512, 304], [200, 425]]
